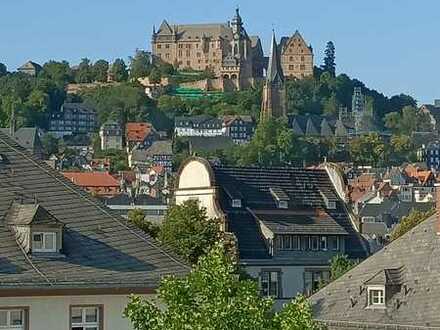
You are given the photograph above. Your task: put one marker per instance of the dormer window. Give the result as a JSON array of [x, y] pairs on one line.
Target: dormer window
[[36, 230], [236, 203], [44, 242], [387, 281], [376, 296], [283, 204]]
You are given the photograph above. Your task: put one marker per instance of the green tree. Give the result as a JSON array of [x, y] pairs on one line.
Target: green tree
[[331, 105], [119, 70], [339, 265], [329, 59], [188, 230], [137, 217], [3, 70], [84, 73], [140, 65], [122, 102], [407, 121], [50, 144], [407, 223], [155, 75], [58, 72], [368, 149], [215, 297], [100, 70]]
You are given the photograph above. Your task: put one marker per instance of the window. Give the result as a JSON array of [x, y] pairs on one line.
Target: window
[[12, 319], [236, 203], [323, 243], [44, 242], [313, 280], [333, 243], [287, 244], [85, 318], [282, 204], [159, 46], [376, 296], [314, 242], [269, 281], [304, 243]]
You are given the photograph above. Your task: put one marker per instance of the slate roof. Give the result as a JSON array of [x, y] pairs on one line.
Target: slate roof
[[305, 189], [27, 137], [274, 70], [80, 107], [196, 31], [201, 121], [300, 223], [415, 305], [209, 143], [101, 250], [26, 214]]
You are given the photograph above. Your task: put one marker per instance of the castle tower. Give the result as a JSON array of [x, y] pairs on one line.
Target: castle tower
[[237, 28], [274, 91]]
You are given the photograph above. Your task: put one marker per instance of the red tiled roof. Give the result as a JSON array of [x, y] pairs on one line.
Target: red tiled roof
[[92, 179], [137, 132]]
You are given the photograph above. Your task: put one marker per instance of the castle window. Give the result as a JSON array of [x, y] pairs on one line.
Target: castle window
[[291, 58], [167, 46], [159, 46]]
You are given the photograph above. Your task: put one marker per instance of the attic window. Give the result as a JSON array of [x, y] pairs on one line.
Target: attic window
[[283, 205], [376, 296], [331, 205], [44, 242], [236, 203]]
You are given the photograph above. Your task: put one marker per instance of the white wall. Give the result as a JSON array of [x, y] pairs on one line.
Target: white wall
[[53, 312], [292, 278]]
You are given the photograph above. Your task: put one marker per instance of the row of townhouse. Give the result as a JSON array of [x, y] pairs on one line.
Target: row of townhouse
[[239, 129]]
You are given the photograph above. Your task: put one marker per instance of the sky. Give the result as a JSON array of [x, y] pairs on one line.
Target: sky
[[391, 45]]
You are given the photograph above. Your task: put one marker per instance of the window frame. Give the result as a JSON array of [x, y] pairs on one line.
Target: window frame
[[277, 273], [100, 317], [381, 297], [25, 317], [44, 234]]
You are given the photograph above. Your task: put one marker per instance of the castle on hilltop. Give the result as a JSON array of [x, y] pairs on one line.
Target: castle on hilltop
[[224, 48], [235, 57]]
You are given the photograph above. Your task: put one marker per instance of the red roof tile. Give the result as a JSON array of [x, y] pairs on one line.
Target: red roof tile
[[137, 132], [92, 179]]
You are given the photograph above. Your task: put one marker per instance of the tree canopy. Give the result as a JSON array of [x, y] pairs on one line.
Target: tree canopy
[[188, 230], [329, 59], [407, 223], [215, 296]]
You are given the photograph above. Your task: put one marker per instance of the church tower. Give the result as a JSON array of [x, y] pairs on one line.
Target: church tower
[[274, 102]]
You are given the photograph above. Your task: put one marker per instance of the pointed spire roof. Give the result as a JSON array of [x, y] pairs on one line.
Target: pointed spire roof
[[274, 70], [165, 28]]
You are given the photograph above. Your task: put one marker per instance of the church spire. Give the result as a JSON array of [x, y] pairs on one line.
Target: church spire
[[274, 70], [274, 92]]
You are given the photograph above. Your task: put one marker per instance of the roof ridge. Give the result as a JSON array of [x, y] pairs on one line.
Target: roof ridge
[[88, 199]]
